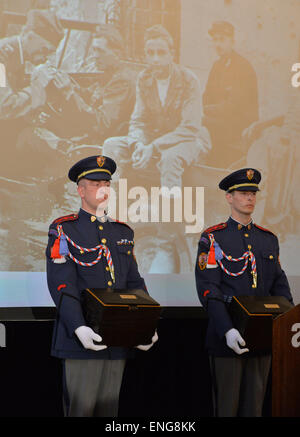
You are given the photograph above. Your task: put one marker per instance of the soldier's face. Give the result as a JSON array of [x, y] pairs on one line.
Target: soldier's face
[[94, 195], [223, 44], [242, 202], [158, 55]]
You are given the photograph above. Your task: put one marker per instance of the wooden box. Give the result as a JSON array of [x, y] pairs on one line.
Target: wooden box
[[253, 317], [124, 318]]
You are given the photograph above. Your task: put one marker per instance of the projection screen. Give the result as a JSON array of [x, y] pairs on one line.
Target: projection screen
[[239, 113]]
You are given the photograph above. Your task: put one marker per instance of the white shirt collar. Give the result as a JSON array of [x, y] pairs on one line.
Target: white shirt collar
[[251, 221]]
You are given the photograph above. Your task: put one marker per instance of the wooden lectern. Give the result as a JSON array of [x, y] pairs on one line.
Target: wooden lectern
[[286, 364]]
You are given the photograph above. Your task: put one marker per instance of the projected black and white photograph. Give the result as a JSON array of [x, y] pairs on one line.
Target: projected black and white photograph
[[178, 93]]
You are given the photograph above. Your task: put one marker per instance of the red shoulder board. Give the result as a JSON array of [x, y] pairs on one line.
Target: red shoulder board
[[216, 227], [65, 218], [263, 229]]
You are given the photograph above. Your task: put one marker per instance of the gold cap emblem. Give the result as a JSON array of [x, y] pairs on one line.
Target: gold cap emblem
[[250, 174], [100, 160]]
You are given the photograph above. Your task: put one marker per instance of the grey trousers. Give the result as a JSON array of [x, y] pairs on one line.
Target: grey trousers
[[239, 385], [92, 387]]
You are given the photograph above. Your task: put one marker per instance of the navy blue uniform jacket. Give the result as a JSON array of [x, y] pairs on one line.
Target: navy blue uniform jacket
[[215, 287], [67, 280]]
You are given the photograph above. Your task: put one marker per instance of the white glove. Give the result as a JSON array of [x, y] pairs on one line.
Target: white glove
[[234, 340], [86, 336], [146, 347]]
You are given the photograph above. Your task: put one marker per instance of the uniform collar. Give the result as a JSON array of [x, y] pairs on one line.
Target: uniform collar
[[239, 226], [92, 218]]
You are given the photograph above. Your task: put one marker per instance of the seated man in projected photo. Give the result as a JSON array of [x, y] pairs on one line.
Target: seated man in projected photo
[[165, 134], [165, 126]]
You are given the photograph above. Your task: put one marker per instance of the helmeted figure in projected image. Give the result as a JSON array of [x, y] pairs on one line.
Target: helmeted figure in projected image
[[165, 134], [79, 115], [230, 99], [22, 95], [236, 258]]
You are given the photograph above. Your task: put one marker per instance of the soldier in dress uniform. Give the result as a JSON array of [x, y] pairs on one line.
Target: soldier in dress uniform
[[92, 372], [239, 376]]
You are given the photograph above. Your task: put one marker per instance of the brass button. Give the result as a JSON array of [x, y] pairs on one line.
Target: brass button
[[239, 226], [93, 218], [101, 228], [103, 240], [271, 257], [109, 283], [81, 251], [107, 268], [129, 252], [249, 247], [246, 235]]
